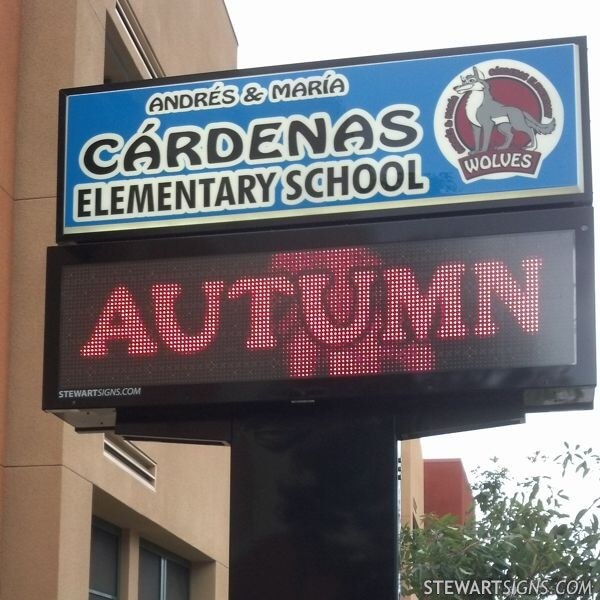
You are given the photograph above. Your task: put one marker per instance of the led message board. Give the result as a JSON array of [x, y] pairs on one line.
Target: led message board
[[364, 312], [326, 142]]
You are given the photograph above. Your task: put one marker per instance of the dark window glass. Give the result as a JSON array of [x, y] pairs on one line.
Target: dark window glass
[[149, 579], [104, 562], [118, 64], [162, 576], [178, 581]]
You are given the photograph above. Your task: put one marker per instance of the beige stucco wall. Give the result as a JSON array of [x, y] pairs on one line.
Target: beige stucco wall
[[9, 46], [54, 478], [411, 488], [10, 11], [189, 35]]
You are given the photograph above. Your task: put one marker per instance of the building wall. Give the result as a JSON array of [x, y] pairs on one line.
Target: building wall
[[54, 480], [10, 12], [411, 487], [447, 490]]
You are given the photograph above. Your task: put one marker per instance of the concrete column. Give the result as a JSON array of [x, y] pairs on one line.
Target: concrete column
[[221, 582], [129, 567], [411, 493], [209, 581], [31, 505], [74, 541], [10, 25], [45, 545]]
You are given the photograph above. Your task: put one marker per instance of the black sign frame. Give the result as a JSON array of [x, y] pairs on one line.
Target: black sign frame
[[548, 387], [459, 208]]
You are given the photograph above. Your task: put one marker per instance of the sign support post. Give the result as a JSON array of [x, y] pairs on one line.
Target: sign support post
[[314, 505]]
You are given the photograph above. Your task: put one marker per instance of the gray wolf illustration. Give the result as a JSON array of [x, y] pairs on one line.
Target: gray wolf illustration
[[485, 113]]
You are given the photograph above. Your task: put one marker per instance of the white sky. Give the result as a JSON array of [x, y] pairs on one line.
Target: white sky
[[273, 32]]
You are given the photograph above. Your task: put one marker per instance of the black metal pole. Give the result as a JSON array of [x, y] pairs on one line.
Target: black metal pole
[[314, 509]]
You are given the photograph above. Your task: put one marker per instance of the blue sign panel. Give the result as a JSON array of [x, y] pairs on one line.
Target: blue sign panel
[[325, 142]]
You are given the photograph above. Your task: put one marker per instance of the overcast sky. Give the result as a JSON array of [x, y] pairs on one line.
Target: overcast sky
[[272, 32]]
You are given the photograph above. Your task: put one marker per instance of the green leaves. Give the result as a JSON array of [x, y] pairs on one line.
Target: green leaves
[[523, 531]]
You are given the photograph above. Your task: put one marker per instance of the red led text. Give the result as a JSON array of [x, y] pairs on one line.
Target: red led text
[[341, 308]]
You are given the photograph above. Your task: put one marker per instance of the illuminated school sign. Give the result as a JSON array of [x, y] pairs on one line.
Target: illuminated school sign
[[193, 323], [326, 142]]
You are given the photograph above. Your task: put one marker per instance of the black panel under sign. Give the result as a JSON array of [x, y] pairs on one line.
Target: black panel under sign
[[314, 509]]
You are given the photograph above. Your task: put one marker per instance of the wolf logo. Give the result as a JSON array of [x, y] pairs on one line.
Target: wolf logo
[[485, 113]]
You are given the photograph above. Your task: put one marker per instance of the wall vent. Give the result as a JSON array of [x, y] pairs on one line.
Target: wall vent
[[138, 38], [130, 457]]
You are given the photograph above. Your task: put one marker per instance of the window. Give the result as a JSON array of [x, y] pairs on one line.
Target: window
[[119, 66], [128, 54], [162, 576], [104, 561]]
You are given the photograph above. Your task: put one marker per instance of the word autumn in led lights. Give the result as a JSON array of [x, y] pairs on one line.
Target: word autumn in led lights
[[368, 318]]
